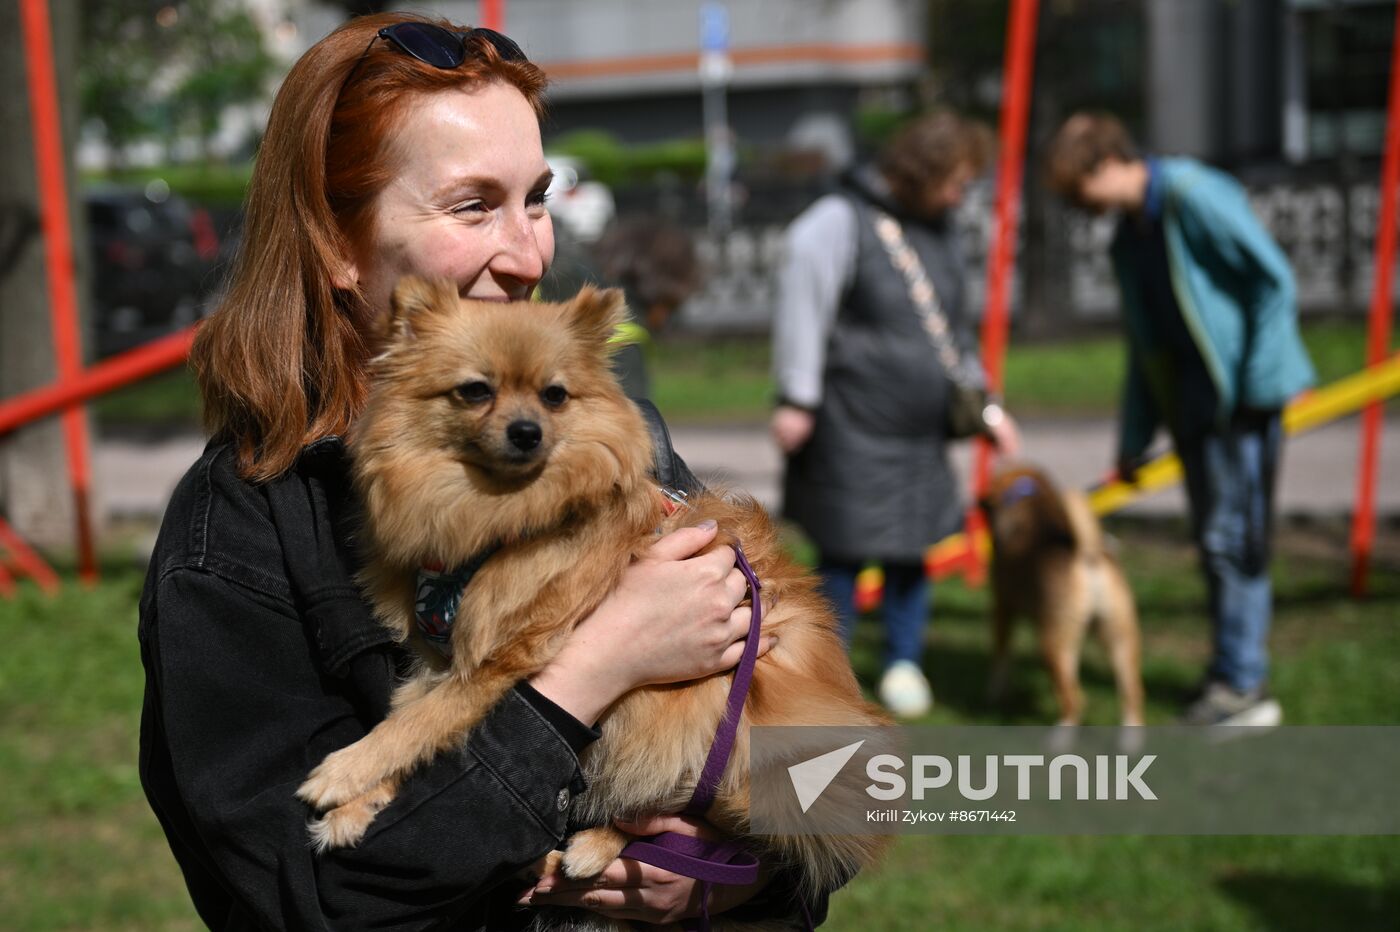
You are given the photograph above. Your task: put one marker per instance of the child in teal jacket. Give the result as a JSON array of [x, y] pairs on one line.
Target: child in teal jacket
[[1214, 354]]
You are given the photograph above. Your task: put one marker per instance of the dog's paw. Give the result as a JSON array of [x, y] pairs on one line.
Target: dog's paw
[[344, 826], [544, 866], [592, 850], [339, 778]]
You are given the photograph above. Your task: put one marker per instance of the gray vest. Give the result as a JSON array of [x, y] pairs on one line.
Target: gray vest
[[874, 482]]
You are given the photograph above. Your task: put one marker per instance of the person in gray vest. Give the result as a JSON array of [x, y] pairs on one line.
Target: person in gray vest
[[863, 399]]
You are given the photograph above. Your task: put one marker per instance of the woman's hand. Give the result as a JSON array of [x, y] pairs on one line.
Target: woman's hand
[[792, 427], [631, 890], [674, 616], [1007, 437]]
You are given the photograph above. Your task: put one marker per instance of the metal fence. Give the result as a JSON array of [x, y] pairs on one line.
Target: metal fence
[[1063, 277]]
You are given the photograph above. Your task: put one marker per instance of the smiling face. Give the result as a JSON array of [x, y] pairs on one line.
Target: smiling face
[[466, 202]]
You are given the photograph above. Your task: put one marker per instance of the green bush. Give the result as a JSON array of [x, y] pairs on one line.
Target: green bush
[[614, 164], [209, 184]]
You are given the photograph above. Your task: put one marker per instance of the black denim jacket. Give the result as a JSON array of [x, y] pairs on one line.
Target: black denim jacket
[[261, 658]]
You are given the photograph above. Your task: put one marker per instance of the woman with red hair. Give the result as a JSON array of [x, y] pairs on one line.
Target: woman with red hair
[[396, 145]]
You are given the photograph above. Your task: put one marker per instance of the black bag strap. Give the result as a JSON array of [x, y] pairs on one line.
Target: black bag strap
[[666, 465]]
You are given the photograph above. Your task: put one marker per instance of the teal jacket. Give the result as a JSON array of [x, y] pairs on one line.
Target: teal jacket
[[1237, 298]]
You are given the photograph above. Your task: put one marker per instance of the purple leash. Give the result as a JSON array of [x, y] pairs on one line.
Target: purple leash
[[707, 861]]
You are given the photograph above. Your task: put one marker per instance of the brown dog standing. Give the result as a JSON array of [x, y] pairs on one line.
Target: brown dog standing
[[1049, 563]]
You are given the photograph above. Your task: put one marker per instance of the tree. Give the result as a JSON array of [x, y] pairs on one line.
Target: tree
[[118, 70], [225, 63]]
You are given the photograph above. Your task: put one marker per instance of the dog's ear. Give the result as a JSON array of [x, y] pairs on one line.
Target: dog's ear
[[414, 297], [595, 313]]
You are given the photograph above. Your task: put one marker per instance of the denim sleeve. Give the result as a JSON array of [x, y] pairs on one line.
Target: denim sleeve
[[237, 713]]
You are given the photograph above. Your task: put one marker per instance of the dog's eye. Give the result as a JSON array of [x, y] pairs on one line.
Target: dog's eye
[[554, 396], [474, 392]]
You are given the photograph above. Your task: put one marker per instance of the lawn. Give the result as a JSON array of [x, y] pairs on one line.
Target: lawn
[[1335, 661], [80, 850], [727, 380]]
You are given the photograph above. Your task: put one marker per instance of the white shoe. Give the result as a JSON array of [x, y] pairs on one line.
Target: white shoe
[[905, 691]]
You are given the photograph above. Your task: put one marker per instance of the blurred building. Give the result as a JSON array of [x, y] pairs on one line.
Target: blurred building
[[800, 68], [1290, 95]]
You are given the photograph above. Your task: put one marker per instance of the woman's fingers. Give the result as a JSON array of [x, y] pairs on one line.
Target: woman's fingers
[[735, 652], [683, 542], [656, 823], [621, 873], [637, 892], [736, 584]]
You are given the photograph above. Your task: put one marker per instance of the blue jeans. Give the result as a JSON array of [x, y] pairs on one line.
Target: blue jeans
[[906, 605], [1230, 484]]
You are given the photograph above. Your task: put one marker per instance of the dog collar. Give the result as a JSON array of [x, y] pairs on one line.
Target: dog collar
[[1022, 487], [439, 595]]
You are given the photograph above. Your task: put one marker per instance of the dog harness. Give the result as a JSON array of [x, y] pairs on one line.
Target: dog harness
[[439, 595], [1021, 487]]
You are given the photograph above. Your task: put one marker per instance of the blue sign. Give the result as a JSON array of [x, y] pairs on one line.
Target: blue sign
[[714, 27]]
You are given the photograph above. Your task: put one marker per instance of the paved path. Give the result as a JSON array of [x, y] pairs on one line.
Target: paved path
[[136, 477], [1318, 473]]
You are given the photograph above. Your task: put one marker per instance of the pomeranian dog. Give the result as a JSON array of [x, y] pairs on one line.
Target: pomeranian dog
[[501, 426], [1049, 564]]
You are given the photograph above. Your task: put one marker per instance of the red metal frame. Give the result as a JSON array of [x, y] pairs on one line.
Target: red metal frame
[[1363, 526], [25, 559], [131, 366], [1018, 69], [58, 247], [493, 14]]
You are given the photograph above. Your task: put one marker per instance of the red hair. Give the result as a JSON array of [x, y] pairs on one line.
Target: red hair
[[282, 362]]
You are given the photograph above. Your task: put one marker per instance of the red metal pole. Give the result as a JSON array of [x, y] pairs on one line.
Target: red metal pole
[[27, 560], [1018, 69], [1363, 522], [131, 366], [58, 246], [493, 14]]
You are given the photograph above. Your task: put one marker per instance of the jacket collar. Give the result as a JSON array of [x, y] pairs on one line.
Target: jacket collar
[[867, 183]]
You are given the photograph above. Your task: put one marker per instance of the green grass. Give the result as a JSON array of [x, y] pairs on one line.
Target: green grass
[[729, 380], [1335, 661], [80, 850]]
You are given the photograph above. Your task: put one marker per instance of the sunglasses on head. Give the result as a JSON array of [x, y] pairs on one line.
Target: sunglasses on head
[[436, 46], [443, 48]]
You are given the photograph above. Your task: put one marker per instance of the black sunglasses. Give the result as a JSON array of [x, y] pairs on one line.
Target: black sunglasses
[[436, 46], [443, 48]]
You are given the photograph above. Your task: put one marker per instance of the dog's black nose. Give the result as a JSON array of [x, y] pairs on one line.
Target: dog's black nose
[[524, 435]]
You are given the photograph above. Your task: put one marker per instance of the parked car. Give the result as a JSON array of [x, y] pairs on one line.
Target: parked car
[[153, 258]]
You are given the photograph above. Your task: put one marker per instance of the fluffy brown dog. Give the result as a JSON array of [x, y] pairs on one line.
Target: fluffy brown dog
[[1049, 563], [443, 476]]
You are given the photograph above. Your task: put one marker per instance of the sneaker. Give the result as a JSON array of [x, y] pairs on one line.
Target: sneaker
[[1219, 704], [905, 691]]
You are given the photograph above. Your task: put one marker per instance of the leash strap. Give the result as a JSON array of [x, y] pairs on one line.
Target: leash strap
[[723, 745], [714, 862]]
